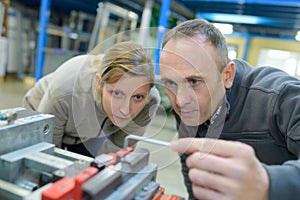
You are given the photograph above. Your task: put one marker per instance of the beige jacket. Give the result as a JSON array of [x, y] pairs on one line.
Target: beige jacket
[[69, 94]]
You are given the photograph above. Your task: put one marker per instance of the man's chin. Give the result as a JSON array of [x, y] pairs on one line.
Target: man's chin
[[191, 121]]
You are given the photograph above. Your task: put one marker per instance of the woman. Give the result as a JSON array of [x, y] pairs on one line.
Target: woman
[[98, 100]]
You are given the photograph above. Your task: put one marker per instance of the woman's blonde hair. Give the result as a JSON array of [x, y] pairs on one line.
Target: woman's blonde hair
[[126, 57]]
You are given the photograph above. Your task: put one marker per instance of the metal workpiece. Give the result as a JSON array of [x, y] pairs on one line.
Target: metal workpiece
[[45, 162], [10, 191], [11, 164], [26, 131], [102, 184], [101, 161], [134, 183], [135, 161], [27, 185], [71, 170], [147, 191], [125, 180], [136, 173], [68, 155]]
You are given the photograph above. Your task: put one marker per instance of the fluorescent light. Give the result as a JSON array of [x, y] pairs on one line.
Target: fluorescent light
[[224, 28], [237, 18], [297, 37]]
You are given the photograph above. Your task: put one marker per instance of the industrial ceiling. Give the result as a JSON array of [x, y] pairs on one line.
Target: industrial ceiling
[[275, 17], [270, 17]]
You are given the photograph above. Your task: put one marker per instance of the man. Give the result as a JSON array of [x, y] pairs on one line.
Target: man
[[257, 109]]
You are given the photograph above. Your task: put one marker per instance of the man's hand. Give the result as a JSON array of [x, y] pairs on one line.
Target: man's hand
[[222, 169]]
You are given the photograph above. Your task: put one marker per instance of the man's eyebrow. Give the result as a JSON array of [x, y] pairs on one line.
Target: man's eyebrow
[[194, 77]]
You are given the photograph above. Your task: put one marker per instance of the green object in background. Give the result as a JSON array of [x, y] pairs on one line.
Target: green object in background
[[164, 99]]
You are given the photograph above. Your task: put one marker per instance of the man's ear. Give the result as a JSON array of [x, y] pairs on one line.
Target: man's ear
[[98, 80], [228, 74]]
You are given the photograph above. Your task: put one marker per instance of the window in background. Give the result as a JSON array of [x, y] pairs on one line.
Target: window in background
[[232, 52], [284, 60]]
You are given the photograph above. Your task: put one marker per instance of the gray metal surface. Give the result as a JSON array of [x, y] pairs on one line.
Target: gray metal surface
[[102, 184], [12, 163], [135, 183], [26, 131], [30, 164]]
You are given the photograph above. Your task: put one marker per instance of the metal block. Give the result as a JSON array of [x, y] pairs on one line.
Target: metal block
[[12, 163], [45, 162], [102, 184], [10, 191], [135, 161], [148, 191], [71, 156], [72, 170], [25, 131], [134, 184]]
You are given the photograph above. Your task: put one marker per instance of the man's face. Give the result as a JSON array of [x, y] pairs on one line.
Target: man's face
[[192, 81]]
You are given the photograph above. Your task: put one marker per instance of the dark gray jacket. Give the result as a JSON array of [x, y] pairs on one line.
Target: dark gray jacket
[[263, 110]]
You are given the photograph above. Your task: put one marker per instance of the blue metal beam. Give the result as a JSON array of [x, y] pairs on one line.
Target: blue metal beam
[[42, 39], [163, 23]]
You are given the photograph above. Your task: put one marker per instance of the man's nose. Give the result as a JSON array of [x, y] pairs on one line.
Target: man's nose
[[183, 96]]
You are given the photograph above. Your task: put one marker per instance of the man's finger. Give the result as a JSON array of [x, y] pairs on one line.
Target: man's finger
[[206, 145]]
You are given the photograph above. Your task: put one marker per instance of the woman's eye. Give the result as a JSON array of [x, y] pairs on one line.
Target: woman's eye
[[138, 97], [116, 93], [169, 84]]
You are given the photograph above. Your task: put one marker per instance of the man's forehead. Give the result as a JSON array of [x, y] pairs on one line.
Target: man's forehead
[[180, 72], [189, 55], [197, 41], [189, 49]]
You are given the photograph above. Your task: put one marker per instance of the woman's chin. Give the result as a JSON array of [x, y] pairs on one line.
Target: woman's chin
[[120, 122]]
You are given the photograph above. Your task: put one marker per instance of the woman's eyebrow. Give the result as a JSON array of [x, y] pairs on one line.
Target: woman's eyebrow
[[140, 93], [166, 79]]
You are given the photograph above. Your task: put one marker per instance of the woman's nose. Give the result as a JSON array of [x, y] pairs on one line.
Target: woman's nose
[[125, 108]]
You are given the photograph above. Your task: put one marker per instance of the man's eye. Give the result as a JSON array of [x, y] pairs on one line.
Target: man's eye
[[138, 97], [195, 82]]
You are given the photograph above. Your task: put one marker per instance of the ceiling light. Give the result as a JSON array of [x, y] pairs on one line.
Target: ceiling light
[[224, 28]]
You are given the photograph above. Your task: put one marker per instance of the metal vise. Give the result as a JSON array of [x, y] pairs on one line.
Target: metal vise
[[32, 168]]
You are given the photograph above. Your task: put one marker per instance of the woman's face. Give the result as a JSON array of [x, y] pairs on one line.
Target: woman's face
[[123, 100]]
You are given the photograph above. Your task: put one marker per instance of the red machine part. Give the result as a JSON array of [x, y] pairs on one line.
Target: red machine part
[[61, 190], [119, 154], [161, 196], [80, 179], [69, 188]]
